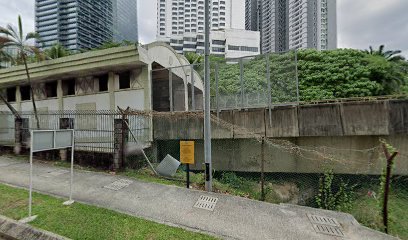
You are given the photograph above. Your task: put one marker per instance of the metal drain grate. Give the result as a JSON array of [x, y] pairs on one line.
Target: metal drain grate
[[55, 173], [118, 185], [323, 220], [206, 203], [326, 225], [328, 230]]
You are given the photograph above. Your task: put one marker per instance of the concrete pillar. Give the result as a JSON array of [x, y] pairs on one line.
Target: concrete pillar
[[60, 96], [120, 140], [111, 89], [18, 98], [18, 126]]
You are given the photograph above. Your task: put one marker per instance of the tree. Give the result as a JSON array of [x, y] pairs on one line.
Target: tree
[[4, 55], [21, 42], [56, 51], [194, 58], [391, 55]]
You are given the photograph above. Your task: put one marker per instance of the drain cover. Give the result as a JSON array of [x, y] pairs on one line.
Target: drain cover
[[119, 184], [323, 220], [328, 230], [326, 225], [206, 202], [55, 173]]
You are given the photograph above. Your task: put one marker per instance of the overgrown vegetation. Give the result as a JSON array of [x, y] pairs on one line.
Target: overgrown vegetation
[[81, 221], [334, 194], [340, 73]]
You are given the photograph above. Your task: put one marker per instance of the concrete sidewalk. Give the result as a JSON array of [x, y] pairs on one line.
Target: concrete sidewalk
[[232, 217]]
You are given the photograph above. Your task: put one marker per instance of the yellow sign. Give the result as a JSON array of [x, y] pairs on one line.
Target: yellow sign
[[187, 152]]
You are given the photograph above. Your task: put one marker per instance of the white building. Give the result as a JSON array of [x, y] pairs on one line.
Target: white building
[[181, 24]]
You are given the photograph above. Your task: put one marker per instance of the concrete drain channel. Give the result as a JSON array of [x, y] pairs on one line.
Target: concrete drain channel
[[118, 185], [326, 225], [206, 202]]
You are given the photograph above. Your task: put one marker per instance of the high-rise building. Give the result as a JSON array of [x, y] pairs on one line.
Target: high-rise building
[[181, 24], [125, 20], [84, 24], [293, 24]]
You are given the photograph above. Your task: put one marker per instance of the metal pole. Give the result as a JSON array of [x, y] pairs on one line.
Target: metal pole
[[72, 166], [207, 123], [171, 89], [241, 79], [30, 197], [268, 77], [192, 89], [217, 92], [297, 77]]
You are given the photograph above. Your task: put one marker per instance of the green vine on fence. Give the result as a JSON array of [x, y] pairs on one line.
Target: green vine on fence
[[334, 194]]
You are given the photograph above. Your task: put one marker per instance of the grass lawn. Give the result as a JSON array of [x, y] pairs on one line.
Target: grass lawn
[[81, 221], [367, 211]]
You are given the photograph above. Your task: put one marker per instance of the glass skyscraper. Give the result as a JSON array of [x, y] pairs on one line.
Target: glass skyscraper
[[85, 24]]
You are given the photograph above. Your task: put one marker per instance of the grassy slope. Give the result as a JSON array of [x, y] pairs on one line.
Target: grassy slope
[[82, 221], [367, 211]]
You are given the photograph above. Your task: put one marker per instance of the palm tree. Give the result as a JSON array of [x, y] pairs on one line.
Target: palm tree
[[194, 58], [56, 51], [21, 42], [391, 55]]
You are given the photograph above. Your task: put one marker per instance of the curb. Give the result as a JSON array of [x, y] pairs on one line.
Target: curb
[[14, 230]]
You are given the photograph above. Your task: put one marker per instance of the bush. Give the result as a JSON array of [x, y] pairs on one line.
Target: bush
[[334, 195]]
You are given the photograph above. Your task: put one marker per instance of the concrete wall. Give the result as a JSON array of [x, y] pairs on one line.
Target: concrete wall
[[376, 118], [331, 135]]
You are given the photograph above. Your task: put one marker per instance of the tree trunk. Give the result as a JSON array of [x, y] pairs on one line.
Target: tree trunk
[[12, 109], [31, 90]]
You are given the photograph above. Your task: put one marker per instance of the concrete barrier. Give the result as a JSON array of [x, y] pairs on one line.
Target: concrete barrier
[[13, 230]]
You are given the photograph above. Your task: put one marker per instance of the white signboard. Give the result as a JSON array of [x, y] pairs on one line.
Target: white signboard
[[45, 140]]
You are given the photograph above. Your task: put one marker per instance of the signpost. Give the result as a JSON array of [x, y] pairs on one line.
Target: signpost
[[187, 156], [45, 140]]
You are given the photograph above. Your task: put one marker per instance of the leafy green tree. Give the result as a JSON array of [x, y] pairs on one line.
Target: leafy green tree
[[4, 55], [17, 39], [57, 51], [194, 58], [341, 73]]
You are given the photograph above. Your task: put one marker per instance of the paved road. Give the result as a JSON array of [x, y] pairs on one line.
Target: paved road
[[232, 218]]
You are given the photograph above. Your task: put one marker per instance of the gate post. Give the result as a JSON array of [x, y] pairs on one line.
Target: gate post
[[120, 140], [18, 135]]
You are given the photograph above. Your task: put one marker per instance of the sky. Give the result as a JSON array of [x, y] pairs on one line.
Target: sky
[[361, 23]]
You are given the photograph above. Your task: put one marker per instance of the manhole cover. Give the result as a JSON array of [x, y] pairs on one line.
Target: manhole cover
[[206, 202], [328, 230], [119, 184], [55, 173], [323, 220]]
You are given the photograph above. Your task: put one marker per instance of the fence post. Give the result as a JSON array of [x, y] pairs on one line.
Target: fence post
[[263, 170], [120, 138], [18, 135], [217, 92], [193, 108], [171, 89], [297, 77], [390, 162], [241, 79], [268, 78]]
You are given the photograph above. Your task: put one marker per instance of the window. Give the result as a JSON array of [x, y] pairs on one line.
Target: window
[[103, 83], [68, 87], [51, 89], [25, 93], [124, 80], [11, 94]]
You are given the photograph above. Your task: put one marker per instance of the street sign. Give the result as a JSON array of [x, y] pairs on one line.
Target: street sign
[[187, 152], [45, 140]]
